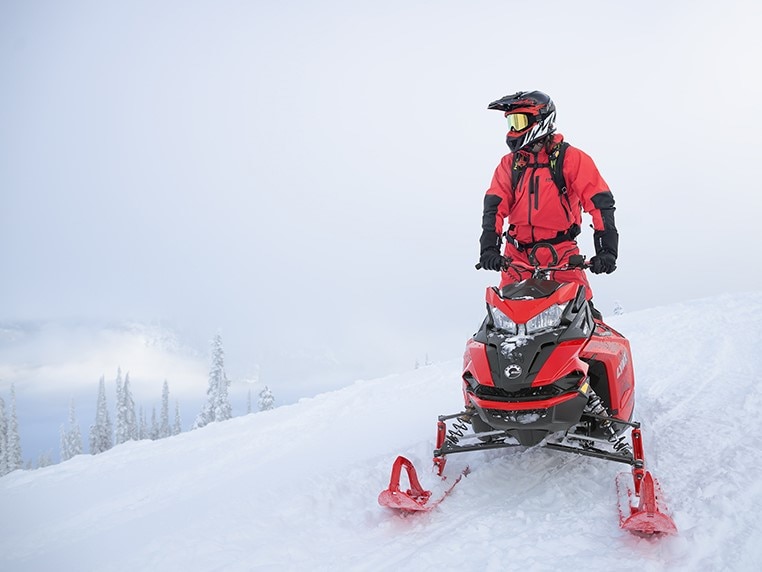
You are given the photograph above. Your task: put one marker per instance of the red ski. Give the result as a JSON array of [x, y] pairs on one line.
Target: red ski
[[641, 507], [416, 498]]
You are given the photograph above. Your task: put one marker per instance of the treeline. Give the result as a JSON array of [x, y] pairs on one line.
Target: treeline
[[129, 423], [10, 443]]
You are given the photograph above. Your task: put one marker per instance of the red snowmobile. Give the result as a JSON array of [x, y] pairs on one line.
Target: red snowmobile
[[543, 370]]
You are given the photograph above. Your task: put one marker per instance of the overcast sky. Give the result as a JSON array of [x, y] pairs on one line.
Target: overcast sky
[[307, 177]]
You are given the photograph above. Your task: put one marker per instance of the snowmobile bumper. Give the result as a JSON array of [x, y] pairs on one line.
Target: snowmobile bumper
[[531, 421]]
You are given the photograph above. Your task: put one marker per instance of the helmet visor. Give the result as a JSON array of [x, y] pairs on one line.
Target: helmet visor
[[518, 121]]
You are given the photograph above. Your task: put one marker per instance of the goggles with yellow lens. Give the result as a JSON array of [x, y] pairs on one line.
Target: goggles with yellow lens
[[518, 121]]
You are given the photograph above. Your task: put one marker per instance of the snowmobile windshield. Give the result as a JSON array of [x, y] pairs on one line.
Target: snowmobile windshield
[[529, 289], [518, 121]]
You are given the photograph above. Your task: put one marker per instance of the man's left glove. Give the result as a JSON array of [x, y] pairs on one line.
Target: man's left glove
[[605, 262], [606, 248]]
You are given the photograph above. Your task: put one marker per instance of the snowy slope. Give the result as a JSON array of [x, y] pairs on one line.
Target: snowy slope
[[295, 488]]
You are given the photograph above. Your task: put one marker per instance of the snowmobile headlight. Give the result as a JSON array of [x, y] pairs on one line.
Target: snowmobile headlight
[[503, 322], [550, 318]]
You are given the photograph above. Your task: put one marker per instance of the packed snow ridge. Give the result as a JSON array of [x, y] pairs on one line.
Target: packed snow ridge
[[295, 488]]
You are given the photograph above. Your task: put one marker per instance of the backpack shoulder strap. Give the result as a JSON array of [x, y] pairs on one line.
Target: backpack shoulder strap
[[518, 164], [557, 166]]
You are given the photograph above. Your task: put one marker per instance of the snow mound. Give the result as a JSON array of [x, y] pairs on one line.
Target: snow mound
[[295, 488]]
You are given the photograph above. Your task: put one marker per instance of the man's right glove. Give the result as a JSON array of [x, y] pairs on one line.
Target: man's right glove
[[603, 262], [492, 260]]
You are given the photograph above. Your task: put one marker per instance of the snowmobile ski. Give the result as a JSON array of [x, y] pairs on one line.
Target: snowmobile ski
[[643, 514], [416, 498]]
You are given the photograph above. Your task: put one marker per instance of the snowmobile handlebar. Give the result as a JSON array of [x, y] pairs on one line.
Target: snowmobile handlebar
[[576, 261]]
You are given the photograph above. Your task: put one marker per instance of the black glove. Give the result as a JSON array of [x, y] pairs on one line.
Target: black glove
[[606, 248], [603, 262], [492, 260]]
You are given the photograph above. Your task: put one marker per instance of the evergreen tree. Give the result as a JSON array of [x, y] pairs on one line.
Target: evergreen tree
[[164, 428], [13, 441], [129, 406], [177, 428], [217, 406], [122, 431], [153, 433], [71, 438], [75, 436], [266, 399], [101, 431], [3, 439], [142, 429], [618, 309], [45, 459], [64, 435]]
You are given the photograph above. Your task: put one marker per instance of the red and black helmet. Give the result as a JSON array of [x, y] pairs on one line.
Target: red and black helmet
[[531, 117]]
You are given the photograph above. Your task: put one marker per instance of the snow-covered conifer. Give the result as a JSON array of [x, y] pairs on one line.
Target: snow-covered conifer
[[14, 458], [101, 431], [177, 427], [45, 459], [153, 432], [65, 454], [122, 432], [129, 406], [164, 428], [142, 428], [618, 309], [71, 438], [266, 399], [217, 406], [3, 439], [73, 435]]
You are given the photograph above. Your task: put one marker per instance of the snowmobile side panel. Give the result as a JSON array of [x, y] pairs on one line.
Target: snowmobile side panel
[[563, 361], [476, 364], [612, 350]]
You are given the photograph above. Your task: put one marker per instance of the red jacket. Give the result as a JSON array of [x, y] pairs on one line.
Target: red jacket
[[535, 209]]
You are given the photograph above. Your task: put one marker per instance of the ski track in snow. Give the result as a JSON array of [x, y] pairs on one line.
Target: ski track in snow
[[295, 488]]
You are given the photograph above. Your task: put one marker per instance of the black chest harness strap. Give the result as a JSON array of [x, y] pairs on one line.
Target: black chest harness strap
[[563, 236]]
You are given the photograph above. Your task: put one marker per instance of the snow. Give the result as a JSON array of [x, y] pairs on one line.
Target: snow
[[295, 488]]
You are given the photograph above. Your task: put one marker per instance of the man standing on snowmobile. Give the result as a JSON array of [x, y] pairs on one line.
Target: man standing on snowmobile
[[540, 189]]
